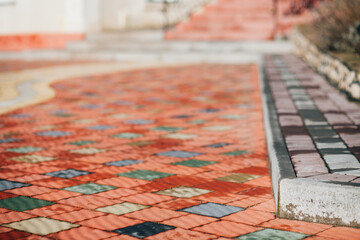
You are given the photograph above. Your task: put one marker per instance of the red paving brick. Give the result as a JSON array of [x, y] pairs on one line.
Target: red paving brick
[[189, 221], [296, 226], [154, 214], [341, 233], [109, 222], [84, 233], [250, 217], [98, 116], [227, 229]]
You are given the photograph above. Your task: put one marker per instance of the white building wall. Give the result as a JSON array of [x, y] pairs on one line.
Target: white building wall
[[42, 16]]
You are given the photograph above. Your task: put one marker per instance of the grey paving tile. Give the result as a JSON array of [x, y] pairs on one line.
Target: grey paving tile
[[6, 184], [68, 173], [213, 209], [179, 154]]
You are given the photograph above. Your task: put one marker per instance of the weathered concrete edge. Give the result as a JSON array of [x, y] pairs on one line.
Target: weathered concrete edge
[[299, 198], [322, 202], [279, 159]]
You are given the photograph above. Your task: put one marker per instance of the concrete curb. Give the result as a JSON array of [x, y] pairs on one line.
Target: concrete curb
[[299, 198]]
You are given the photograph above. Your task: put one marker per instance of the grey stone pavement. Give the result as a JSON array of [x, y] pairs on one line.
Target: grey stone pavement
[[316, 167]]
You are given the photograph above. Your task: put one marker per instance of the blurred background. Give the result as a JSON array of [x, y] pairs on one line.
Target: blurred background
[[34, 24]]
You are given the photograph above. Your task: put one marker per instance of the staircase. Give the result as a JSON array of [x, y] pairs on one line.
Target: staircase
[[228, 20]]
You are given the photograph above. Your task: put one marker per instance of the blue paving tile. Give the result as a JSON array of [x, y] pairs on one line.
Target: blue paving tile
[[179, 154], [182, 116], [217, 145], [24, 149], [138, 121], [53, 133], [212, 210], [59, 111], [6, 185], [68, 173], [9, 140], [124, 162], [144, 230], [100, 127], [20, 115], [209, 110], [123, 103]]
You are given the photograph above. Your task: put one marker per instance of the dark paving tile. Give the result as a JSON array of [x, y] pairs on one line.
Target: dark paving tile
[[144, 230], [217, 145]]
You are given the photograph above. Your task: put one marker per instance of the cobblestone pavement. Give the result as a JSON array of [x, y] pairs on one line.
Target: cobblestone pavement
[[320, 126], [168, 153]]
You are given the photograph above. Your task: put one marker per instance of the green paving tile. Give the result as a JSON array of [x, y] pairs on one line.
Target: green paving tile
[[32, 158], [22, 203], [88, 150], [235, 153], [232, 116], [140, 143], [198, 121], [168, 129], [183, 192], [82, 142], [218, 128], [268, 233], [89, 188], [181, 136], [238, 178], [64, 115], [25, 149], [145, 174], [194, 163], [127, 135]]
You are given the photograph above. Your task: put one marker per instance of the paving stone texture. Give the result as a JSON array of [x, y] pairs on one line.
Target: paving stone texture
[[235, 20], [320, 127], [95, 183]]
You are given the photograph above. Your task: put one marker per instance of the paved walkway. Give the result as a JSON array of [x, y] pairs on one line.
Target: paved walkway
[[166, 153], [233, 20], [316, 140]]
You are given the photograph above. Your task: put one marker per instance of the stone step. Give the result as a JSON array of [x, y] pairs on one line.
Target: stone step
[[181, 46], [128, 36], [224, 17], [228, 20], [264, 34], [257, 25]]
